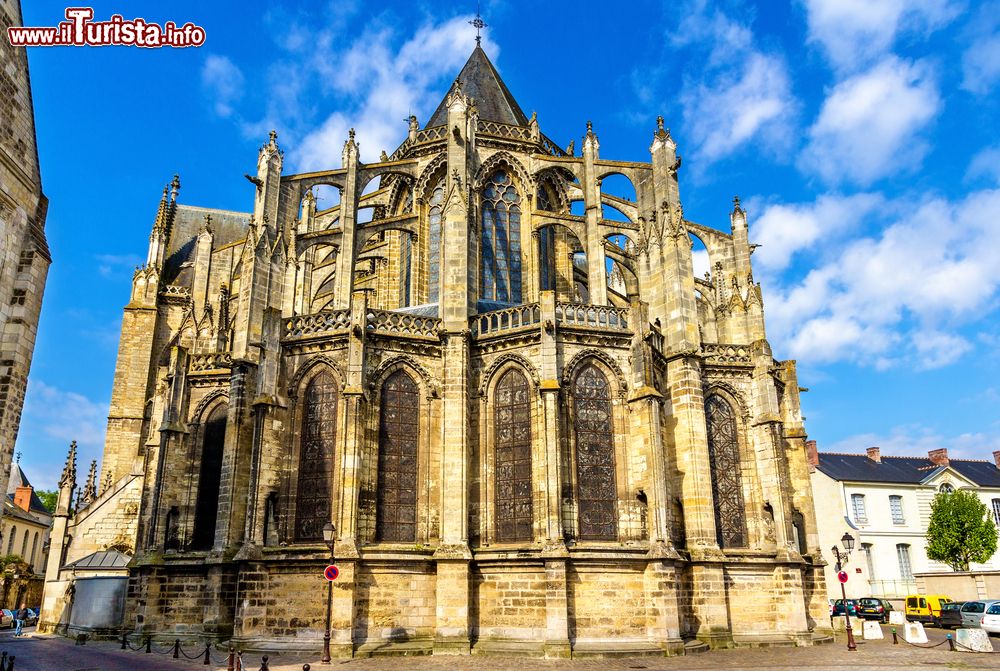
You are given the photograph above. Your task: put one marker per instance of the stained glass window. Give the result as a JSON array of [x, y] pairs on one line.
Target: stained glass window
[[207, 504], [315, 472], [595, 456], [399, 432], [501, 245], [512, 431], [405, 267], [434, 243], [727, 485]]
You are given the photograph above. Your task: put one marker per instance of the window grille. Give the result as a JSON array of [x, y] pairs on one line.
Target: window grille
[[316, 453], [858, 503], [512, 445], [905, 570], [399, 430], [597, 493], [996, 511], [896, 507], [727, 483]]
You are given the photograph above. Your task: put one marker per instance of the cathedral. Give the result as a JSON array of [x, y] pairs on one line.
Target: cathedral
[[532, 431]]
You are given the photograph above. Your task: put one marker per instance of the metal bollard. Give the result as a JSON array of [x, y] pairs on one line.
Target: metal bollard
[[231, 665], [951, 643], [208, 654], [306, 667], [895, 641], [124, 638], [10, 663], [149, 644], [177, 648], [3, 659], [263, 664]]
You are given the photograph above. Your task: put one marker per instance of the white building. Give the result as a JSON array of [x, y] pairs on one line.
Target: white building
[[885, 504]]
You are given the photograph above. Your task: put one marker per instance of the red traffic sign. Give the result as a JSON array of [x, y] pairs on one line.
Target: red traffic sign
[[842, 576], [331, 572]]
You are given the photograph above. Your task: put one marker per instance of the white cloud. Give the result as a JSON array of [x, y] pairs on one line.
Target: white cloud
[[853, 33], [785, 230], [985, 164], [384, 84], [65, 415], [109, 264], [223, 82], [869, 126], [900, 296], [981, 65], [914, 440]]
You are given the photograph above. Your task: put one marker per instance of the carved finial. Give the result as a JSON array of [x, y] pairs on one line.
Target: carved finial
[[207, 226], [479, 24], [69, 470], [383, 156], [350, 135], [571, 148], [534, 117], [272, 136], [175, 186], [659, 123], [107, 482], [456, 177], [18, 459], [661, 132], [736, 205], [90, 489], [590, 127]]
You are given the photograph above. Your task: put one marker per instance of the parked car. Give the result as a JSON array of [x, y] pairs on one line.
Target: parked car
[[6, 619], [875, 609], [852, 607], [974, 611], [990, 622], [32, 617], [925, 608], [951, 615]]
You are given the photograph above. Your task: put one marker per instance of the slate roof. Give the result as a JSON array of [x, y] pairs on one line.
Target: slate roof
[[11, 511], [905, 470], [482, 82], [104, 559], [227, 227], [19, 479]]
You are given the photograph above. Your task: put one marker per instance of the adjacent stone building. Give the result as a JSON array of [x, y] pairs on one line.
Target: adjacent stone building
[[533, 430], [24, 251], [884, 502]]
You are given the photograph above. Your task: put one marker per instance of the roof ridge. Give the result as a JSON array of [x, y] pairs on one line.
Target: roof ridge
[[903, 456]]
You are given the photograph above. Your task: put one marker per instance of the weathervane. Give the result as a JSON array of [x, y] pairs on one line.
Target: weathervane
[[479, 24]]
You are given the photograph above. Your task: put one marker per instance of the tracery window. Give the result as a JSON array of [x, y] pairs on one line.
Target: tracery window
[[316, 451], [405, 267], [434, 243], [727, 485], [399, 434], [512, 431], [207, 504], [597, 493], [501, 241]]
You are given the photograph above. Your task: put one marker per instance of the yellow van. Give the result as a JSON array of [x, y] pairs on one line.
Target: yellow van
[[925, 608]]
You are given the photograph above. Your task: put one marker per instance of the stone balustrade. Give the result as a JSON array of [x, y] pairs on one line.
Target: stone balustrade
[[402, 323], [508, 319], [603, 317], [317, 324], [200, 363], [726, 354]]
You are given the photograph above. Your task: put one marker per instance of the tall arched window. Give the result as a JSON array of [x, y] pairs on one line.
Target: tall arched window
[[512, 450], [727, 484], [207, 503], [318, 438], [501, 247], [34, 549], [597, 492], [399, 434], [434, 243], [10, 541]]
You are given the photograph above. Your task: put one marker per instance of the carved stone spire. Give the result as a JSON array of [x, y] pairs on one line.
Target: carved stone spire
[[69, 470], [90, 490], [106, 485]]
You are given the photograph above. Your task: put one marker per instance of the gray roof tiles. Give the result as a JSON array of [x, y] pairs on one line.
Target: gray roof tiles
[[481, 81], [904, 470]]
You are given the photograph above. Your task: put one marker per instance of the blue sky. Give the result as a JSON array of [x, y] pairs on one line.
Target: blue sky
[[861, 136]]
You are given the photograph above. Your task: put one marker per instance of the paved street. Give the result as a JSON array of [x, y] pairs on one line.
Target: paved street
[[47, 653]]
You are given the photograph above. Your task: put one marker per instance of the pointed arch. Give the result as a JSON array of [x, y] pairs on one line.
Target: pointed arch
[[513, 491], [580, 361], [427, 383], [500, 240], [399, 436], [213, 440], [596, 477], [506, 162], [499, 366], [313, 366], [317, 447], [727, 485]]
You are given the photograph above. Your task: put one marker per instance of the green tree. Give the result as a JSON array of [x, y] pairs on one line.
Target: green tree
[[48, 498], [961, 530]]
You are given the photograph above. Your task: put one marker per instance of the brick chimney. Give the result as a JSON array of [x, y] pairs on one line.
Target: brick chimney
[[873, 454], [996, 458], [812, 455], [938, 457], [22, 497]]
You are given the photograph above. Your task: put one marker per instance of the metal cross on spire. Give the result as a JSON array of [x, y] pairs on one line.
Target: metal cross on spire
[[479, 24]]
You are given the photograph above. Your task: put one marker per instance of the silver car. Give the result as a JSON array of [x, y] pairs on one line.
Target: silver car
[[972, 612]]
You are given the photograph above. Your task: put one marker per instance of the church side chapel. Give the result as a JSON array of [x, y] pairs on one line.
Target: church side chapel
[[531, 430]]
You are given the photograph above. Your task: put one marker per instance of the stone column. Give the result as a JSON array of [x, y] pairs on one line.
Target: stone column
[[556, 610], [597, 282], [662, 607], [549, 389]]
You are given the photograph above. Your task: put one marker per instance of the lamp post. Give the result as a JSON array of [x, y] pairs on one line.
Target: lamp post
[[329, 536], [842, 559]]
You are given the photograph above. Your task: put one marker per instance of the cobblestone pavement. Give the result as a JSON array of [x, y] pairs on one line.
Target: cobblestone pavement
[[47, 653]]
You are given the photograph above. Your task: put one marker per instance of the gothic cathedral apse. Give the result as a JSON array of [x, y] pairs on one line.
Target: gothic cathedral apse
[[532, 430]]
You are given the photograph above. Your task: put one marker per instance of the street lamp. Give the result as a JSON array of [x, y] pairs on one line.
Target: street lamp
[[329, 536], [842, 559]]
